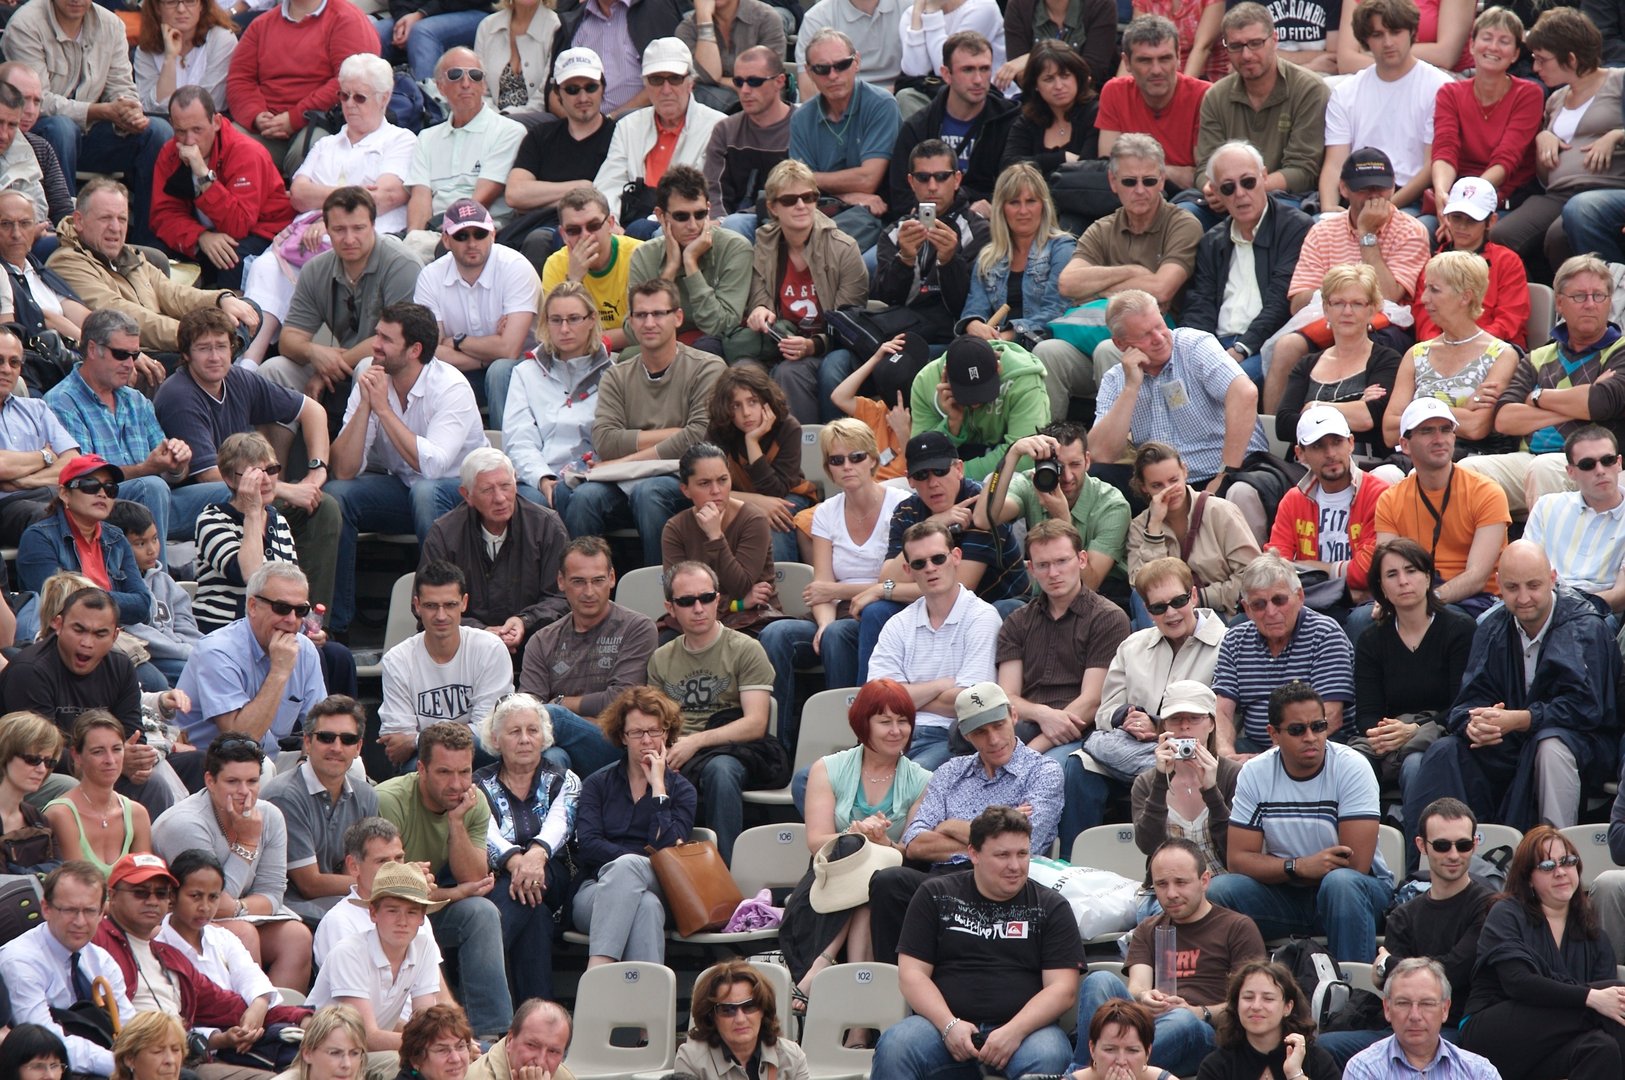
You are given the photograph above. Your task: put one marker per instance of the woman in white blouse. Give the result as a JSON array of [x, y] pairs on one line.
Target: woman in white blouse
[[515, 47], [182, 43], [849, 537]]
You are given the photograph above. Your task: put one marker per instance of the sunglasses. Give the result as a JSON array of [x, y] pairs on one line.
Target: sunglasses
[[940, 177], [577, 230], [683, 217], [919, 476], [577, 89], [752, 81], [1549, 865], [706, 598], [823, 70], [734, 1008], [787, 201], [34, 761], [159, 892], [354, 99], [665, 79], [1258, 604], [282, 608], [1176, 603], [125, 355], [1607, 461], [471, 234], [856, 457], [1297, 731], [456, 74], [328, 738], [1442, 846], [1228, 188], [273, 469], [1140, 181], [935, 560], [93, 486]]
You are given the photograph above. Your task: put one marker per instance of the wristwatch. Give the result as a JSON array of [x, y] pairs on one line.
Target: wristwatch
[[886, 588], [457, 341], [1369, 240], [1534, 399], [1290, 867], [315, 463], [46, 456]]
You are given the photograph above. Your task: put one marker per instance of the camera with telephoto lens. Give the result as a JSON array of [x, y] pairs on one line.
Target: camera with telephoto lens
[[1047, 474], [1184, 749]]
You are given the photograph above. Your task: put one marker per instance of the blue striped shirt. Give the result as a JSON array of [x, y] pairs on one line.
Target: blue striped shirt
[[29, 424], [1386, 1060], [1585, 546], [1247, 672], [1300, 817], [961, 789], [123, 435]]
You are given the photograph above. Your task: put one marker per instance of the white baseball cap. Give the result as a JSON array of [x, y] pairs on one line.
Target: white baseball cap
[[1473, 196], [1420, 411], [573, 63], [1320, 421], [667, 56]]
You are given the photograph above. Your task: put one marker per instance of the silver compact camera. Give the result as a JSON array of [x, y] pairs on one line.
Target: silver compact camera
[[1184, 749]]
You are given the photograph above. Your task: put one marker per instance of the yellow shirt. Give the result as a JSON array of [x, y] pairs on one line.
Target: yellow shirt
[[608, 286]]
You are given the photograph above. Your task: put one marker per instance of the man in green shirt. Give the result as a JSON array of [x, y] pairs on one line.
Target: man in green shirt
[[443, 816], [1097, 509]]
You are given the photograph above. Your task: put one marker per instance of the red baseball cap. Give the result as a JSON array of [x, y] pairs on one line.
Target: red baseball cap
[[84, 465], [136, 868]]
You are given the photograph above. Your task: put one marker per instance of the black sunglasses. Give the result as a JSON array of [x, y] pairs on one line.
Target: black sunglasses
[[935, 560], [683, 217], [1176, 602], [697, 598], [787, 201], [1549, 865], [1442, 846], [1607, 461], [822, 70], [1136, 181], [919, 476], [147, 892], [34, 761], [1297, 731], [92, 486], [328, 738], [734, 1008], [282, 607], [123, 354], [940, 177], [471, 234], [856, 457], [577, 89], [1228, 188], [752, 81]]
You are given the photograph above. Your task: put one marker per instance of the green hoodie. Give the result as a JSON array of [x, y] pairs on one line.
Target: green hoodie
[[1021, 408]]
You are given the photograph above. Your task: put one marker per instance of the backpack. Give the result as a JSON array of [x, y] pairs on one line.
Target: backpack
[[409, 107], [1317, 975], [19, 906]]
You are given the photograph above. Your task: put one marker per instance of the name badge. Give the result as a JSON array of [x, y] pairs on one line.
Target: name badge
[[1174, 394]]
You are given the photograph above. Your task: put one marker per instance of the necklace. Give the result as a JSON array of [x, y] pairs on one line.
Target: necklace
[[1460, 341], [103, 814], [878, 779]]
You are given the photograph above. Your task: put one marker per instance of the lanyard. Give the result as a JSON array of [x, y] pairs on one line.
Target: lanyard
[[1438, 515]]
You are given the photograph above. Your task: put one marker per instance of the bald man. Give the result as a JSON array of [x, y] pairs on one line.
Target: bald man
[[1534, 721]]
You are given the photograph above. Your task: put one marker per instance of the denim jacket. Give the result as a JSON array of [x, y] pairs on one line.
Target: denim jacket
[[1041, 300], [47, 547]]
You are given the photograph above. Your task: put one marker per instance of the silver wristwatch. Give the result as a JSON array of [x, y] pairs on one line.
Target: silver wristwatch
[[1368, 240], [886, 588], [47, 457]]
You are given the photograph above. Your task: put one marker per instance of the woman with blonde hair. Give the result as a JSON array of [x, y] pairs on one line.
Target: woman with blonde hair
[[1354, 374], [334, 1046], [1466, 367], [1025, 240], [515, 47], [546, 442], [804, 268], [150, 1046], [29, 745]]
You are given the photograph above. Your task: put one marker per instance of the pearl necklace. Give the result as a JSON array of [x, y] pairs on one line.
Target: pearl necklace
[[1461, 341]]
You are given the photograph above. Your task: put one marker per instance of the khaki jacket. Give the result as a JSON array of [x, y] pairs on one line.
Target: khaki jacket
[[833, 259], [493, 1065], [1223, 548]]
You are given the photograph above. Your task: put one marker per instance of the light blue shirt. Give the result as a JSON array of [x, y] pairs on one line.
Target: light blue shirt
[[1586, 546], [1387, 1061], [27, 423], [39, 975], [961, 789], [226, 671]]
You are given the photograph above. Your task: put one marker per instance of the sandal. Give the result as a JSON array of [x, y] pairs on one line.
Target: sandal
[[798, 1001]]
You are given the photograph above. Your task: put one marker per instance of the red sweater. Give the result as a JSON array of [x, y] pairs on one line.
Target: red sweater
[[1296, 534], [1463, 136], [1506, 301], [280, 66], [247, 198]]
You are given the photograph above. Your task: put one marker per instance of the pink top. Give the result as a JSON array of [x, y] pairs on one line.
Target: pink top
[[1185, 15], [1473, 138]]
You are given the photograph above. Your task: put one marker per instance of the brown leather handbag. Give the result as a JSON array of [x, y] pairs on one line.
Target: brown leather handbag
[[700, 892]]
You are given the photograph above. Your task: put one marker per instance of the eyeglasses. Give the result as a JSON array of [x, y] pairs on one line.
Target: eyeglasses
[[354, 99], [1255, 45], [1404, 1005], [147, 892], [1587, 297], [919, 476], [856, 457], [471, 234], [935, 560], [1257, 604], [1607, 461], [665, 78], [1347, 305], [1175, 602], [706, 598], [577, 89], [1297, 731], [787, 201], [34, 761], [449, 1049], [281, 608], [1567, 861], [1228, 188], [643, 733], [651, 313], [577, 230], [941, 176], [734, 1008], [572, 321], [752, 81], [51, 1067], [823, 70], [1139, 181], [1443, 846], [328, 738], [683, 217], [92, 486], [456, 75], [125, 355]]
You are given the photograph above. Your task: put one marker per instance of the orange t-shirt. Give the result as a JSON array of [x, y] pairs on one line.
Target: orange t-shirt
[[1473, 501]]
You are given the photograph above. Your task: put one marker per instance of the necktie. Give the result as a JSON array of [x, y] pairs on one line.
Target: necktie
[[81, 981]]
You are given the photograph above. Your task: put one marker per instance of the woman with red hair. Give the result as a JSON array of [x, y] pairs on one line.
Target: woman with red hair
[[869, 791]]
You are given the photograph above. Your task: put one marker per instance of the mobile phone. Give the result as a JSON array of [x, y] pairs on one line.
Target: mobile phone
[[928, 214], [775, 335]]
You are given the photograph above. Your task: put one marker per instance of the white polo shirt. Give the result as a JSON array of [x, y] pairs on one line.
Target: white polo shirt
[[386, 151], [508, 284], [358, 968]]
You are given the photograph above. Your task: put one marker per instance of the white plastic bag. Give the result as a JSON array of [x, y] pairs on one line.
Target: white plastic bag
[[1102, 902]]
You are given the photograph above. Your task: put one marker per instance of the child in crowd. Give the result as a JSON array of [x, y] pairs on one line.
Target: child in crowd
[[172, 630]]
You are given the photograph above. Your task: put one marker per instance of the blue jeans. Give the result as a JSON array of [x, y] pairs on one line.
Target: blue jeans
[[473, 926], [103, 148], [582, 740], [871, 620], [430, 38], [1182, 1039], [186, 503], [914, 1050], [722, 806], [1085, 805], [785, 548], [1345, 907], [1342, 1045], [497, 378], [595, 509], [929, 747], [1592, 220], [379, 502], [642, 229], [744, 223], [788, 643]]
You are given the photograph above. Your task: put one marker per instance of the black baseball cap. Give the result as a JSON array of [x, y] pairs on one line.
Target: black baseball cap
[[894, 374], [972, 370], [1368, 167], [930, 450]]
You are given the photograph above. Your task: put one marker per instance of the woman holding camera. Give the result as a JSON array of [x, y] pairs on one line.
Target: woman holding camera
[[1187, 793]]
